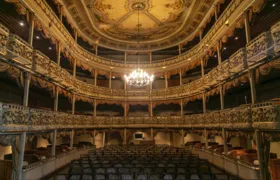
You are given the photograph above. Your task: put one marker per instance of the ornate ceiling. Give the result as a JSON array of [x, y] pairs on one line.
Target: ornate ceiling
[[114, 23]]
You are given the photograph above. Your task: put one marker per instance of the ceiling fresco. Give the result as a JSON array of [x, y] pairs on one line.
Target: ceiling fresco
[[114, 23]]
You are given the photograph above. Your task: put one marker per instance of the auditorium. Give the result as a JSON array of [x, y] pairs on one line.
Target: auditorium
[[139, 90]]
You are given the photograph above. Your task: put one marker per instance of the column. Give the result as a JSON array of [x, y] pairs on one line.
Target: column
[[224, 134], [251, 71], [73, 103], [94, 134], [21, 155], [166, 80], [182, 137], [151, 88], [110, 80], [27, 78], [96, 49], [181, 79], [260, 154], [206, 138], [202, 67], [125, 57], [216, 12], [58, 53], [95, 77], [54, 142], [182, 107], [219, 53], [94, 108], [72, 138], [151, 109], [222, 97], [31, 29], [171, 138], [74, 67], [180, 49], [124, 136], [76, 35], [104, 138], [60, 15], [204, 102], [125, 113], [56, 99], [152, 133], [200, 34], [151, 57]]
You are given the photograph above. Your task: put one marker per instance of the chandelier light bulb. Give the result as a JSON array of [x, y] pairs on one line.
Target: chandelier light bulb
[[138, 78]]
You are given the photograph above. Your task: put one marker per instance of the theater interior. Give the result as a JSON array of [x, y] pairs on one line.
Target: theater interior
[[139, 89]]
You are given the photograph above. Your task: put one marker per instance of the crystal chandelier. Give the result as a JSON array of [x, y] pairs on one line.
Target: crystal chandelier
[[138, 77]]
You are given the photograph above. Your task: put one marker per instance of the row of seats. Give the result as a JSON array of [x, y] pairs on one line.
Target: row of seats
[[146, 162]]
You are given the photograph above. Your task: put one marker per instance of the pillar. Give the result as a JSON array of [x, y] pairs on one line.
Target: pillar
[[216, 12], [181, 78], [200, 34], [54, 142], [247, 26], [95, 77], [180, 49], [252, 85], [125, 113], [151, 57], [125, 57], [171, 138], [151, 109], [58, 53], [31, 29], [93, 139], [74, 67], [225, 141], [152, 133], [182, 137], [56, 99], [110, 80], [73, 103], [124, 136], [182, 107], [166, 80], [21, 154], [27, 78], [202, 67], [96, 50], [72, 138], [76, 35], [204, 102], [206, 138], [260, 154], [104, 139], [222, 98], [60, 15], [219, 53], [94, 108]]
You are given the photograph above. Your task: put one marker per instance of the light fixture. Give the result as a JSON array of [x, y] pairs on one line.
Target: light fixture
[[113, 77], [50, 48], [236, 38], [273, 5], [21, 23], [225, 48], [138, 77], [164, 67], [37, 37]]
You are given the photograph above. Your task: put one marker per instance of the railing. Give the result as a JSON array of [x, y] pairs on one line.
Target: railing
[[81, 53], [259, 49], [262, 116]]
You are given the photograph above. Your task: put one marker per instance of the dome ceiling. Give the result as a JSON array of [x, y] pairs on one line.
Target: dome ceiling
[[114, 23]]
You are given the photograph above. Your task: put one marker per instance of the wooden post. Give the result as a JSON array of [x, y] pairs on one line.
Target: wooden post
[[181, 79], [94, 134], [202, 67], [222, 98], [182, 137], [260, 154], [27, 78], [56, 99], [110, 80], [21, 155], [182, 108], [166, 80], [219, 53], [124, 136], [72, 139], [31, 29], [54, 142], [58, 53], [204, 102], [95, 77], [74, 68], [73, 103], [104, 139], [151, 57], [224, 134], [200, 34], [216, 12], [94, 108], [206, 138]]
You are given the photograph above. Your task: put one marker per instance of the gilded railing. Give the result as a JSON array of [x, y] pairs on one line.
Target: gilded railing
[[4, 33], [82, 54], [257, 50], [262, 116], [275, 32]]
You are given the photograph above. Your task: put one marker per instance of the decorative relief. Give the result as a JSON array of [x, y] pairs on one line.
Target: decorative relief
[[275, 32], [4, 33]]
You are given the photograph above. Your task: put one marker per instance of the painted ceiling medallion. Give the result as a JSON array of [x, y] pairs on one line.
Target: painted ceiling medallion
[[114, 22]]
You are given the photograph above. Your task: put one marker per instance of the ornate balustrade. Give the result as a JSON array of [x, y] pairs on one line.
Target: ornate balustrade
[[262, 116], [257, 50], [275, 32], [233, 10], [4, 33]]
